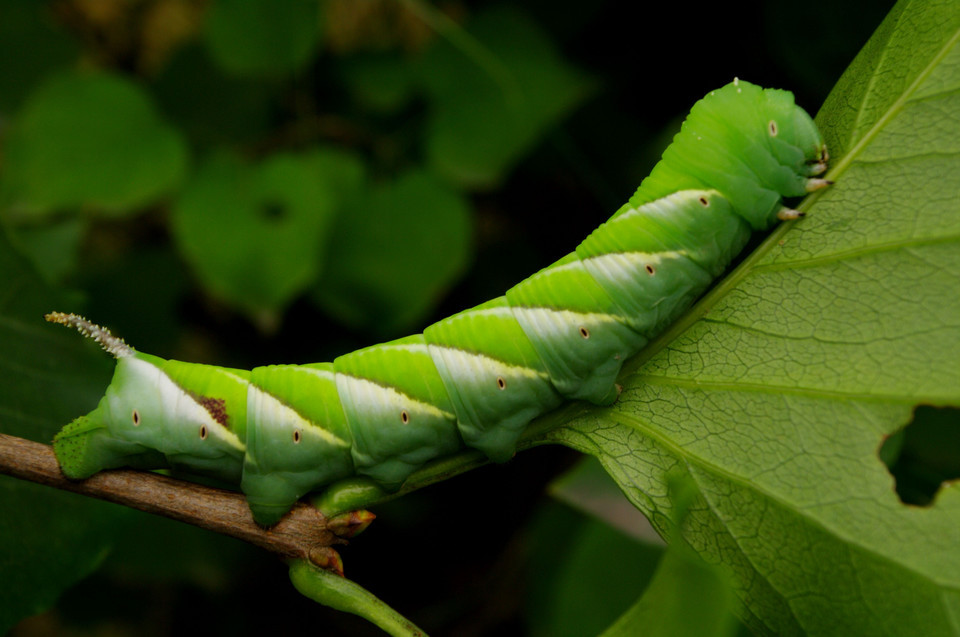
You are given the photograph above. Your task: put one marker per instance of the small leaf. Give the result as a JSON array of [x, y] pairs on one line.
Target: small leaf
[[486, 117], [380, 82], [583, 574], [262, 37], [52, 248], [394, 250], [255, 233], [687, 597], [27, 25], [232, 109], [92, 139]]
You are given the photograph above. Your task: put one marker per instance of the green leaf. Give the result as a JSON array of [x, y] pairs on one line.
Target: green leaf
[[233, 109], [255, 234], [380, 82], [50, 538], [28, 25], [686, 597], [52, 248], [488, 112], [262, 37], [92, 139], [394, 251], [775, 393]]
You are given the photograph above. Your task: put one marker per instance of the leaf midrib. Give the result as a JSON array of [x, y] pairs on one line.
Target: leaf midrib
[[768, 388], [841, 166]]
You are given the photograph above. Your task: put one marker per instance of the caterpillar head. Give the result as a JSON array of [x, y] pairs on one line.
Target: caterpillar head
[[754, 145], [795, 139], [145, 420]]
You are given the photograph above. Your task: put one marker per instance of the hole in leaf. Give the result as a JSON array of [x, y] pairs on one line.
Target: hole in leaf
[[924, 454]]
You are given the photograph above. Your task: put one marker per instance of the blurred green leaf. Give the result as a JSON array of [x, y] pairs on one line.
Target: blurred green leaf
[[394, 251], [49, 539], [582, 579], [484, 118], [141, 281], [52, 248], [380, 82], [30, 46], [95, 140], [262, 37], [255, 233], [687, 598], [210, 107]]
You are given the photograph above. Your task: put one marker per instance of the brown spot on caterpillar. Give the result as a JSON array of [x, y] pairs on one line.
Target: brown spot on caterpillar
[[404, 416], [650, 270], [584, 332], [216, 407], [203, 432], [773, 128], [296, 436], [136, 418], [704, 202], [502, 384]]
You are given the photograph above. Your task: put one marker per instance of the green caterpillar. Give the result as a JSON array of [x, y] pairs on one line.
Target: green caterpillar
[[476, 378]]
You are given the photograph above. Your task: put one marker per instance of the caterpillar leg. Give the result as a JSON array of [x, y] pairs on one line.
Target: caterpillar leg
[[352, 494], [817, 184], [786, 214], [611, 396]]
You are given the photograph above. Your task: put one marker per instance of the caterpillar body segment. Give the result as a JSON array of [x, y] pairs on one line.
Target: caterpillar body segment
[[476, 378]]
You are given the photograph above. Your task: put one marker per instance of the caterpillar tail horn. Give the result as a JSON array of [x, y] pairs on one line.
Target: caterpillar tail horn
[[111, 344]]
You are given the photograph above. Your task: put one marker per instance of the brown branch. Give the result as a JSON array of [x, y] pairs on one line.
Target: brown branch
[[304, 533]]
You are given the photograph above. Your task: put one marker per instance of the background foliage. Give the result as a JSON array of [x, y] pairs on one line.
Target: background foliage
[[244, 182]]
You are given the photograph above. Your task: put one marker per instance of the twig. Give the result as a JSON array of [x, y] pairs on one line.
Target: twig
[[304, 533]]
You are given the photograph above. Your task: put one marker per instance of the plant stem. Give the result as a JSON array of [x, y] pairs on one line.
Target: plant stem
[[303, 533], [342, 594]]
